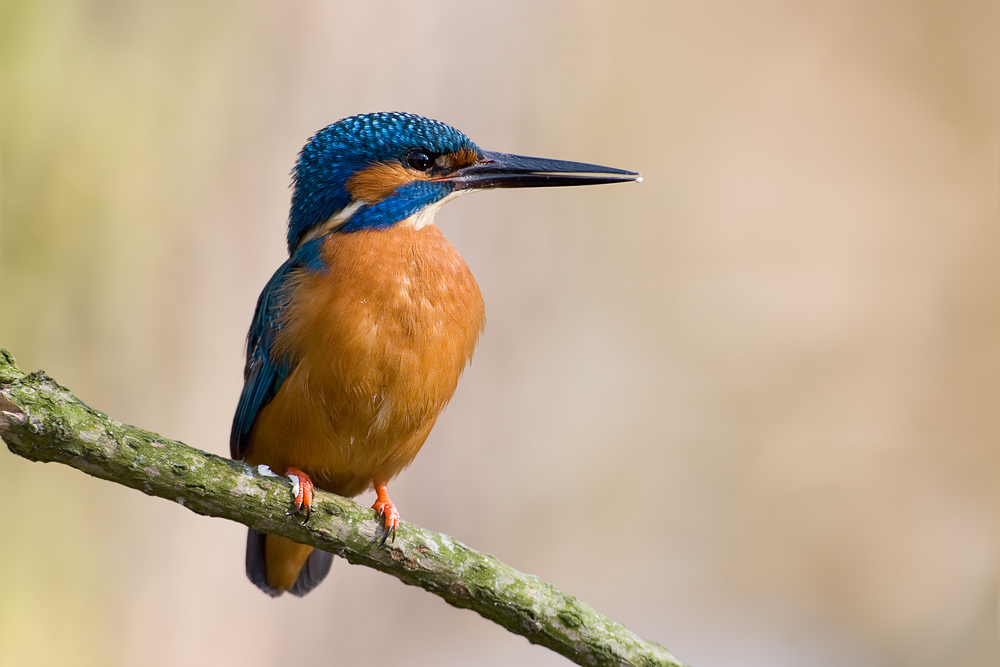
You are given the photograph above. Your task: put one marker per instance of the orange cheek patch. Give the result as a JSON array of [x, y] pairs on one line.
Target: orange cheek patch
[[465, 157], [380, 180], [458, 160]]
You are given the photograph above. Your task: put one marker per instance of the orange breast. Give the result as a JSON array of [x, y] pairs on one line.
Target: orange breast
[[381, 340]]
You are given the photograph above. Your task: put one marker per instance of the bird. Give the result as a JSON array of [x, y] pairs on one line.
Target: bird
[[358, 340]]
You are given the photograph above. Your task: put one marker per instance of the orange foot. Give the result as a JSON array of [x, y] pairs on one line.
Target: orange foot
[[302, 488], [386, 509]]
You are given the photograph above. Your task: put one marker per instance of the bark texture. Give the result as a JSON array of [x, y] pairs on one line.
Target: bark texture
[[43, 421]]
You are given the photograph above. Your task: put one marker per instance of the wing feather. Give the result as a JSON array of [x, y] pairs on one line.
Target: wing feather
[[264, 373]]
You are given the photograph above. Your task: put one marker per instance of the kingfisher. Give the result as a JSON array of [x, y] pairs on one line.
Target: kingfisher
[[359, 338]]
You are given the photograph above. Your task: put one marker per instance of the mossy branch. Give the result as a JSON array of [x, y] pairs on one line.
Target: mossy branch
[[43, 421]]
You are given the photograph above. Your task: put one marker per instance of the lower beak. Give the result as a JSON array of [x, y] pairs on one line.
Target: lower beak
[[500, 170]]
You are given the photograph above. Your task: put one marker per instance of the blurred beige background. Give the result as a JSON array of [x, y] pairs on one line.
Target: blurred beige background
[[747, 408]]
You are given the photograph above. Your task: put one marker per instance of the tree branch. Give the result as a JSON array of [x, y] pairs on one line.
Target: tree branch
[[43, 421]]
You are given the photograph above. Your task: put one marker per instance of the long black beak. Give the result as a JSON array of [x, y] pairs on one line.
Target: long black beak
[[501, 170]]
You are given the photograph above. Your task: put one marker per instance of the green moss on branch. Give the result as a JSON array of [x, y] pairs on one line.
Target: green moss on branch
[[43, 421]]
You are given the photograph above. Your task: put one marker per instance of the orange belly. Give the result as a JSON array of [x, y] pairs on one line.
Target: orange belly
[[381, 339]]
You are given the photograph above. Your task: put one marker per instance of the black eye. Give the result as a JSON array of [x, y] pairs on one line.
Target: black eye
[[419, 160]]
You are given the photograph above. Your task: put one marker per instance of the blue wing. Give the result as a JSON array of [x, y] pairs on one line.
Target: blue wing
[[263, 374]]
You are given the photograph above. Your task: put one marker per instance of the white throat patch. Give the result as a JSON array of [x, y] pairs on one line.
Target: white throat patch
[[426, 215]]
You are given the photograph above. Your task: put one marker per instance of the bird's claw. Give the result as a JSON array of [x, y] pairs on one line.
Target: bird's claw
[[302, 490], [390, 529], [387, 510]]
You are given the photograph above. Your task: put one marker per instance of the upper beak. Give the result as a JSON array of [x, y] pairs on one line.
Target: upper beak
[[501, 170]]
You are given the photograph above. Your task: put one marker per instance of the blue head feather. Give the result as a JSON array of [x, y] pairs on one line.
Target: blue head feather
[[350, 145]]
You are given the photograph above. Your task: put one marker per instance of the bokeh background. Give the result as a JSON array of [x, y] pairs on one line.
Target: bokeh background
[[748, 408]]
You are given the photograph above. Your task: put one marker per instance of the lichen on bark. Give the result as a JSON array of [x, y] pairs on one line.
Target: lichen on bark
[[43, 421]]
